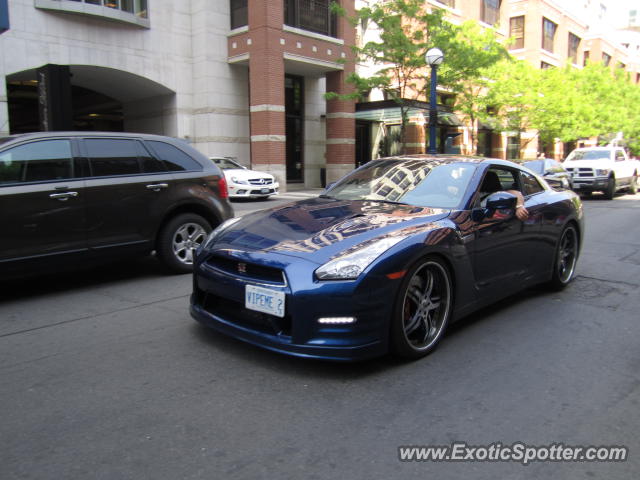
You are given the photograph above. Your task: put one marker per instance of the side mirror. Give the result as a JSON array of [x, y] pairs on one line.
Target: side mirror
[[495, 201]]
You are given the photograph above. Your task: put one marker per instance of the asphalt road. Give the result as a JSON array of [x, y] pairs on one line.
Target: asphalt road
[[104, 375]]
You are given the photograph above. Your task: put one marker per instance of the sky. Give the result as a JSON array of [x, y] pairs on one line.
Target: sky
[[617, 10]]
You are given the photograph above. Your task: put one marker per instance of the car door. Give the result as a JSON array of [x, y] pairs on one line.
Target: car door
[[41, 201], [502, 256], [126, 193]]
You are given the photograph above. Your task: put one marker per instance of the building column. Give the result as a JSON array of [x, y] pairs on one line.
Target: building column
[[266, 90], [4, 108], [341, 129]]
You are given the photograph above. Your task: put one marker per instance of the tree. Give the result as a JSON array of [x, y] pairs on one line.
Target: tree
[[401, 32], [514, 92]]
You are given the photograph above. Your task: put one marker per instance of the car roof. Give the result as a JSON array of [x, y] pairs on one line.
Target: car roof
[[451, 158], [82, 133]]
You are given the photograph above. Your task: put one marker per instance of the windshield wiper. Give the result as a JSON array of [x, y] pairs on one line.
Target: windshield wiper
[[384, 201]]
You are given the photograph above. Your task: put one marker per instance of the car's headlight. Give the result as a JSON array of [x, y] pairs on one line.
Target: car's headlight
[[217, 231], [602, 172], [350, 265], [239, 180]]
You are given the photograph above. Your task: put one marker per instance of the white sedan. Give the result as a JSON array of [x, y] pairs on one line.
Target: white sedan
[[245, 183]]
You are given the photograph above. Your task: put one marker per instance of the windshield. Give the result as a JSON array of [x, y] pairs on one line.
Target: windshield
[[535, 165], [413, 182], [589, 155], [226, 164]]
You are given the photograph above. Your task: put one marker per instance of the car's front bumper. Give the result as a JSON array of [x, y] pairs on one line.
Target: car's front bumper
[[252, 191], [218, 301]]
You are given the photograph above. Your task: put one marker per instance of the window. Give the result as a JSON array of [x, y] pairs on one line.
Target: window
[[621, 65], [637, 77], [530, 184], [174, 158], [490, 11], [239, 13], [545, 65], [135, 7], [572, 51], [110, 156], [36, 162], [516, 31], [312, 15], [620, 156], [586, 58], [448, 3], [606, 59], [548, 33]]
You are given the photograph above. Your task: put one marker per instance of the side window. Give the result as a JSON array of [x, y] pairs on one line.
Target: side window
[[149, 163], [41, 161], [110, 156], [530, 184], [619, 156], [174, 158]]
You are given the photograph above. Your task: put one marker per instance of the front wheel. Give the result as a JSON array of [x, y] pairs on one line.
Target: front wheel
[[611, 189], [422, 309], [179, 239], [633, 188], [564, 265]]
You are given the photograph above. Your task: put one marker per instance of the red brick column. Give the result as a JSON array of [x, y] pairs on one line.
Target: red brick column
[[266, 88], [341, 124]]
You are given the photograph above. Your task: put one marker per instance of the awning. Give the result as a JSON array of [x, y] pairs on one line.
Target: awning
[[388, 111]]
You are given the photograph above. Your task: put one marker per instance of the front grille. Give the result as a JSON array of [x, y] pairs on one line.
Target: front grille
[[581, 172], [250, 271], [260, 181], [236, 313]]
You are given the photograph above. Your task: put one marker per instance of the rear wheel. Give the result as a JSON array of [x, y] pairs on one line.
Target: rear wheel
[[564, 265], [611, 189], [422, 309], [179, 239]]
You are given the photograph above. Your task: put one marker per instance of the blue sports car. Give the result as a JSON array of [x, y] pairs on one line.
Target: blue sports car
[[387, 257]]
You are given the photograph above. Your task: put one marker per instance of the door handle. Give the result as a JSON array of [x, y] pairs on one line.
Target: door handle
[[156, 187], [63, 197]]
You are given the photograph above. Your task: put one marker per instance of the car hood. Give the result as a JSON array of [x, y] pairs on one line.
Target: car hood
[[242, 174], [319, 228], [587, 163]]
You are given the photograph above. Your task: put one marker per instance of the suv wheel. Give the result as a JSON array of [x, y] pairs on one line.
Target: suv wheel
[[633, 187], [179, 239], [611, 189]]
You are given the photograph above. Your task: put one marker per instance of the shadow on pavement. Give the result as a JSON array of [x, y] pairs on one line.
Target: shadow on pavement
[[81, 277]]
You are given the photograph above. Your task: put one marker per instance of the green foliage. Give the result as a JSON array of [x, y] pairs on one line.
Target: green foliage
[[405, 31]]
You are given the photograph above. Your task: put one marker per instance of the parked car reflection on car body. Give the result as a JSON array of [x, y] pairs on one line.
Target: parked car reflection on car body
[[386, 258]]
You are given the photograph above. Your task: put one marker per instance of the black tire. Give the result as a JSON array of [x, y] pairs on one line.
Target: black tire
[[422, 309], [565, 259], [611, 189], [179, 239], [633, 188]]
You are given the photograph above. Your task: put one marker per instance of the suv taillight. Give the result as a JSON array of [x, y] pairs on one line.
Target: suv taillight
[[222, 188]]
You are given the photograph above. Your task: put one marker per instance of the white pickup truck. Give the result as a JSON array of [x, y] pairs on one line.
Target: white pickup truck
[[604, 169]]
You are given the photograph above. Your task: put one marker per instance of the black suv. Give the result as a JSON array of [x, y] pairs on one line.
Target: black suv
[[70, 197]]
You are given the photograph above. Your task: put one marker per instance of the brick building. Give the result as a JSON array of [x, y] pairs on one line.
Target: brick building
[[240, 78], [545, 33]]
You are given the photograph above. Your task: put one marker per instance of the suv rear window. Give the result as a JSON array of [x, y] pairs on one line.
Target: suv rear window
[[110, 156], [174, 158], [41, 161]]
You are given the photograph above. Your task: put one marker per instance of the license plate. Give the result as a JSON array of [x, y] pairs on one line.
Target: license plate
[[264, 190], [264, 300]]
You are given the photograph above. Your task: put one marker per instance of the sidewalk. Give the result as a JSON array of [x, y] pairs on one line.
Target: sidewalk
[[297, 191]]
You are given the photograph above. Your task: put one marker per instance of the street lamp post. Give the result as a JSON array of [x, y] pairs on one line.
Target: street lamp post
[[434, 57]]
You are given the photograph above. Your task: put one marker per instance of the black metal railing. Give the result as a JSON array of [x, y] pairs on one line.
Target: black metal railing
[[312, 15]]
